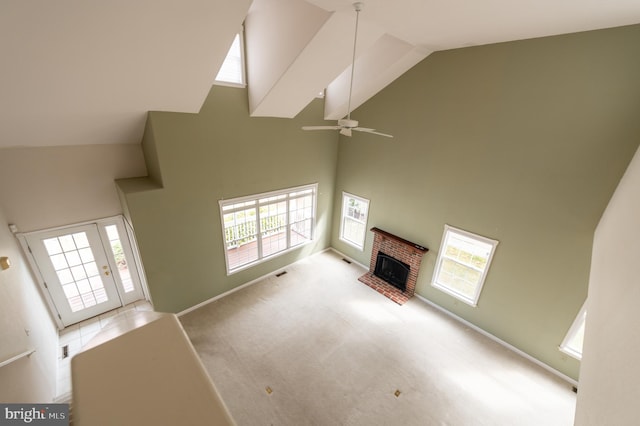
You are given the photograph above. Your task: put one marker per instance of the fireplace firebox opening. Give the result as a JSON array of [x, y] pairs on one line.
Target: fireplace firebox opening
[[392, 271]]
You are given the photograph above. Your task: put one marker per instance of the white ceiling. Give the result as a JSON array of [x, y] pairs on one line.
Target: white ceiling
[[86, 72]]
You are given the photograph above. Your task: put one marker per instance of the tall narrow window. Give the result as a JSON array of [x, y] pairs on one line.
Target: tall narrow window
[[232, 70], [353, 224], [263, 225], [463, 263], [572, 343]]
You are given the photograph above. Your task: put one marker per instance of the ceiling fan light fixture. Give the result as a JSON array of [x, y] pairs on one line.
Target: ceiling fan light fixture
[[347, 123]]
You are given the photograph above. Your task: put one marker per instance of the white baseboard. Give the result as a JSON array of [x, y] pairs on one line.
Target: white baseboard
[[348, 258], [240, 287], [500, 341]]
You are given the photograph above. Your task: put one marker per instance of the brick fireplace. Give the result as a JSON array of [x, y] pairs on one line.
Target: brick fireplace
[[406, 253]]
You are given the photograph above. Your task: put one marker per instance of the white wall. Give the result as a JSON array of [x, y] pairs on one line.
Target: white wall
[[40, 188], [53, 186], [610, 368], [31, 379]]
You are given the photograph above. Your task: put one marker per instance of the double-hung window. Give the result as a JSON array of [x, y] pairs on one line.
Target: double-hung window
[[353, 223], [463, 263], [264, 225]]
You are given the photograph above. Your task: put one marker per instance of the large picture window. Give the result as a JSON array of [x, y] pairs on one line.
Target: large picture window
[[463, 263], [353, 223], [263, 225]]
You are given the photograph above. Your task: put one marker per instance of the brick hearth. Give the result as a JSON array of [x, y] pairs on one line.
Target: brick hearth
[[402, 250]]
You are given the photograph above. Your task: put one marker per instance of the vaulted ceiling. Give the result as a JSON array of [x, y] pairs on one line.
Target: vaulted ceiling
[[86, 72]]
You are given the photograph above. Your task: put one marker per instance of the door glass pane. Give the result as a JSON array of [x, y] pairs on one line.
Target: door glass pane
[[120, 258], [65, 276], [112, 232], [81, 240], [101, 295], [59, 261], [91, 269], [79, 275], [53, 246], [83, 286], [66, 241], [76, 303], [70, 290], [86, 255], [73, 258], [88, 299], [96, 282]]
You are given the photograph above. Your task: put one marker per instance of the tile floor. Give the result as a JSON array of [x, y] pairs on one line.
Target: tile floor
[[78, 335]]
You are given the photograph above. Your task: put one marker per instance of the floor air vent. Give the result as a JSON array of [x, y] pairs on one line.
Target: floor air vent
[[281, 274], [346, 260]]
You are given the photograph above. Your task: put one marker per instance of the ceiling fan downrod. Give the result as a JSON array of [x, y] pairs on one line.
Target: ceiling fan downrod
[[358, 7], [346, 125]]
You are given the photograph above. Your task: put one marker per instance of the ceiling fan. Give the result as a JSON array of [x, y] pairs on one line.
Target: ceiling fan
[[346, 125]]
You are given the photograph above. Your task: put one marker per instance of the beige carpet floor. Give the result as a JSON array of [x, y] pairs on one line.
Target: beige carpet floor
[[317, 347]]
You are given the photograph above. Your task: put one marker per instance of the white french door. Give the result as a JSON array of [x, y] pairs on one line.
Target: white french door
[[86, 269]]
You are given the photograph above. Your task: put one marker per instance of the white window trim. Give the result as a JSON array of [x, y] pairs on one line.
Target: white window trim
[[133, 254], [575, 326], [346, 195], [470, 301], [243, 64], [256, 197]]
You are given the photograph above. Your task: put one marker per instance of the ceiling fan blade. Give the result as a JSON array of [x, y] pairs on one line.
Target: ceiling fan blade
[[372, 131], [346, 132], [320, 127]]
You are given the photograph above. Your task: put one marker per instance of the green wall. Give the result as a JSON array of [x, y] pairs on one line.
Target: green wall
[[523, 142], [194, 160]]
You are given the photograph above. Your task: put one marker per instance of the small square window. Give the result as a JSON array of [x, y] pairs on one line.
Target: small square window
[[463, 263], [353, 223], [572, 343]]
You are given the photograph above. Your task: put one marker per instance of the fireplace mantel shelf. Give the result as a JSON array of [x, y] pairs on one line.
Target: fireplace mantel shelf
[[415, 246]]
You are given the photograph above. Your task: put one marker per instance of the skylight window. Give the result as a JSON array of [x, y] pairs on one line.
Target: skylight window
[[572, 343], [231, 72]]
